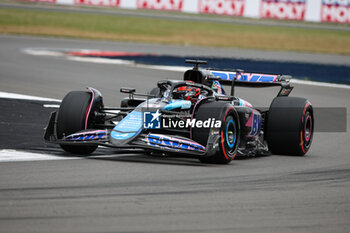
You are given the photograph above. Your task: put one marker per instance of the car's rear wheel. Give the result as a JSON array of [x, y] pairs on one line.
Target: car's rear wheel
[[290, 126], [229, 131], [75, 115]]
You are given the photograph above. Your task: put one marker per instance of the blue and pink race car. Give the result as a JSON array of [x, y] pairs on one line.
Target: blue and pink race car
[[193, 117]]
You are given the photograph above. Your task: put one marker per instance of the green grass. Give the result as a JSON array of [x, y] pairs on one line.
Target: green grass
[[109, 27]]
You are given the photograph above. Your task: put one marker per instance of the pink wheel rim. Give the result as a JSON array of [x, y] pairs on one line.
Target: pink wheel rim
[[308, 128]]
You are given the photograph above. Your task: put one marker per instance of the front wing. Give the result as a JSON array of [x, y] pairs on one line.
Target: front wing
[[149, 141]]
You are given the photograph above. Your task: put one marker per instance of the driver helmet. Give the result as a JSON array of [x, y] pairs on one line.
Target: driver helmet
[[189, 93]]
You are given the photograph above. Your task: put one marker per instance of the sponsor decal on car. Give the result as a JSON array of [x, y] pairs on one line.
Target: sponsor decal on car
[[193, 123], [151, 120], [283, 9], [164, 141], [254, 122], [247, 77], [222, 7], [335, 11], [155, 120], [170, 5], [86, 136]]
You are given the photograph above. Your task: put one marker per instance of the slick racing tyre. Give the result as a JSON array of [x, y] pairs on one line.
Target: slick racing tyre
[[229, 131], [73, 117], [290, 126]]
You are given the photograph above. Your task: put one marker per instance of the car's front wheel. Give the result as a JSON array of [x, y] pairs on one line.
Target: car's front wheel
[[75, 115], [229, 131]]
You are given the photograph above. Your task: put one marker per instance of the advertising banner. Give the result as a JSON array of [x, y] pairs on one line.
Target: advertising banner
[[221, 7], [283, 9], [111, 3], [170, 5], [332, 11], [43, 1], [335, 11]]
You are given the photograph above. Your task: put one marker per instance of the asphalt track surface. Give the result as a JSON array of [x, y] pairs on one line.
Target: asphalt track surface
[[132, 192]]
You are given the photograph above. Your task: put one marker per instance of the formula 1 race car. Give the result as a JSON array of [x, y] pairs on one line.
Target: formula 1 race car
[[194, 117]]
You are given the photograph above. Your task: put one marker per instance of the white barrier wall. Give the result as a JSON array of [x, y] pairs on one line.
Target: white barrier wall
[[337, 11]]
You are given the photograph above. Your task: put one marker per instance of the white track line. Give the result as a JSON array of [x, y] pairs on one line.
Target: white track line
[[8, 95], [127, 62], [101, 60], [20, 156], [42, 52]]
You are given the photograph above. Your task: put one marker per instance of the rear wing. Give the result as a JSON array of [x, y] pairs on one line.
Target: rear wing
[[238, 78]]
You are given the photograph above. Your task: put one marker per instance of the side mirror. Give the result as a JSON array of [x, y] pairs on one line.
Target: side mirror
[[285, 77], [224, 98], [127, 90]]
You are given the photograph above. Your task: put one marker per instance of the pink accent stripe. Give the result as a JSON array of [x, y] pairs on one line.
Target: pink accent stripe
[[308, 119], [301, 132], [88, 132], [178, 139], [89, 108], [250, 121]]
